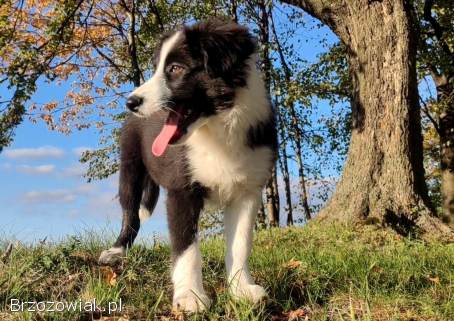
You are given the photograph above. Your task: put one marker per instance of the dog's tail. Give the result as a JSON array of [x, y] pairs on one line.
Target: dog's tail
[[149, 198]]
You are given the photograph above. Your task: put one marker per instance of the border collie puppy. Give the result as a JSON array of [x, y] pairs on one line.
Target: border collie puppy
[[202, 128]]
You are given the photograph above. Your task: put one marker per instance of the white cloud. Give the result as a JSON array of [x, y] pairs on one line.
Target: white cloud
[[33, 153], [6, 166], [41, 169], [76, 170], [53, 196], [104, 204], [85, 189]]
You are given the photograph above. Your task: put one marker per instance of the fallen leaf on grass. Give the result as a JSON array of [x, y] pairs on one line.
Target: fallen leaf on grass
[[177, 315], [294, 315], [113, 319], [292, 264], [434, 279], [109, 275]]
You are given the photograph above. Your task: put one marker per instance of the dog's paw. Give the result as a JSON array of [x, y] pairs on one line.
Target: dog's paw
[[112, 256], [191, 302], [251, 292]]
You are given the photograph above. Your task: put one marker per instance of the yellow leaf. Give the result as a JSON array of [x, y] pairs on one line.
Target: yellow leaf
[[435, 279], [296, 315], [110, 277], [292, 264]]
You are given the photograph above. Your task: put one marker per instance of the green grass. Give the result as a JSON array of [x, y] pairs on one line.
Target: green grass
[[338, 273]]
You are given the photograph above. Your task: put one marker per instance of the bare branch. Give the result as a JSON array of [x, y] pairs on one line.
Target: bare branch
[[154, 9], [426, 111]]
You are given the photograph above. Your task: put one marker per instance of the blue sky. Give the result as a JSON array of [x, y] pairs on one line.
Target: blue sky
[[43, 192]]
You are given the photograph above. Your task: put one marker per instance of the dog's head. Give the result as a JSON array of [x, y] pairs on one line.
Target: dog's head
[[196, 72]]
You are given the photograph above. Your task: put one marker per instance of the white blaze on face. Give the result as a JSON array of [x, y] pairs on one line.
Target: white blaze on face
[[155, 92]]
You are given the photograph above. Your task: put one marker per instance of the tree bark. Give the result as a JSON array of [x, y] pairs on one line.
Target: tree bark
[[383, 178], [261, 218]]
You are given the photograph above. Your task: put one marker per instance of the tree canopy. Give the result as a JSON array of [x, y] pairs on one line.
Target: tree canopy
[[103, 49]]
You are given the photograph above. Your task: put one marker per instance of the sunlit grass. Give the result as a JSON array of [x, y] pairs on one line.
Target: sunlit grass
[[328, 272]]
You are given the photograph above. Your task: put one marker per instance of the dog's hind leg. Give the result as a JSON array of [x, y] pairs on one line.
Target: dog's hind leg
[[149, 198], [132, 176]]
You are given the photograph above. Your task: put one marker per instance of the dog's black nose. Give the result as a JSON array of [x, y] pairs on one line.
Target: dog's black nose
[[133, 103]]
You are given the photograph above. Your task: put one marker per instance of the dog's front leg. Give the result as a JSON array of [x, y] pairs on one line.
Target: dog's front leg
[[239, 220], [132, 173], [183, 210]]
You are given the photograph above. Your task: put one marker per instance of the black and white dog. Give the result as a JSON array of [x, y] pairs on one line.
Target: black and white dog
[[202, 128]]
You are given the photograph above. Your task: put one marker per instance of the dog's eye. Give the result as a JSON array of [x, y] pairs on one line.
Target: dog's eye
[[175, 69]]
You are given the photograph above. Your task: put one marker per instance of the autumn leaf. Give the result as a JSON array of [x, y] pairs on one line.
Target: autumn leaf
[[435, 279], [177, 315], [109, 275], [293, 315], [292, 264], [296, 315]]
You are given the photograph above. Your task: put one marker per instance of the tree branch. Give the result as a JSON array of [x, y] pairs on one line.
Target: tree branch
[[330, 12], [136, 73], [63, 25], [438, 29], [425, 110], [154, 9]]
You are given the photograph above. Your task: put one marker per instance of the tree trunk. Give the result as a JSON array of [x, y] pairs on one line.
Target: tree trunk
[[288, 189], [272, 192], [135, 74], [301, 178], [446, 125], [261, 219], [283, 162], [234, 10], [271, 207], [383, 178]]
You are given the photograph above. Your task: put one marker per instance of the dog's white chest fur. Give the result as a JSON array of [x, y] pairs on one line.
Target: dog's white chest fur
[[218, 154], [226, 168]]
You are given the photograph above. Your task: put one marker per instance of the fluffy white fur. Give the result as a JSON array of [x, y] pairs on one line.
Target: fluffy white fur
[[155, 91], [188, 290], [239, 219], [112, 255], [144, 214]]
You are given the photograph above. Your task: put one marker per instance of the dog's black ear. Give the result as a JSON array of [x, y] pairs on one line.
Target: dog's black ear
[[224, 46]]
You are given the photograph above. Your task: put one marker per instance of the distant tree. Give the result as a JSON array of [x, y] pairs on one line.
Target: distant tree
[[436, 60]]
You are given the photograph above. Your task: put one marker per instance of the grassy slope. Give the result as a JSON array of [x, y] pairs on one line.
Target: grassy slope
[[335, 273]]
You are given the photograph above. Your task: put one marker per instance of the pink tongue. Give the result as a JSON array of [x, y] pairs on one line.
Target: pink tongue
[[169, 129], [162, 140]]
